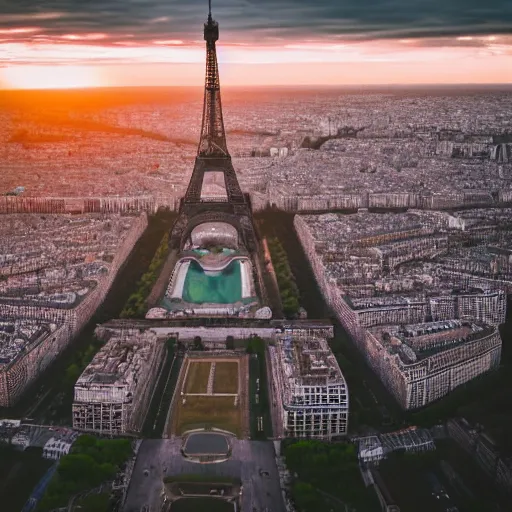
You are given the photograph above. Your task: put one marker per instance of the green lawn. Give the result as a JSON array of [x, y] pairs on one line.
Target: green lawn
[[197, 376], [207, 412], [226, 377]]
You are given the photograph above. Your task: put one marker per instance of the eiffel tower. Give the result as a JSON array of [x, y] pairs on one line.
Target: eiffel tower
[[213, 156]]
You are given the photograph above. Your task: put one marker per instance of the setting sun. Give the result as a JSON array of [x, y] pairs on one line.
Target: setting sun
[[51, 77]]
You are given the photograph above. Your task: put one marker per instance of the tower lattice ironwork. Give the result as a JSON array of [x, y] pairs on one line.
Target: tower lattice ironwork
[[213, 156], [213, 136]]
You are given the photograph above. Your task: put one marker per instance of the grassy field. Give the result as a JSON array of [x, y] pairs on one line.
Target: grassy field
[[207, 412], [197, 376], [195, 504], [226, 377]]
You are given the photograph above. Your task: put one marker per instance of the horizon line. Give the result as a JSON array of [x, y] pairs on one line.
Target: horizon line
[[263, 86]]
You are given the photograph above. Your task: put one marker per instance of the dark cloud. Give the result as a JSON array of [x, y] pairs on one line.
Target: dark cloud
[[256, 20]]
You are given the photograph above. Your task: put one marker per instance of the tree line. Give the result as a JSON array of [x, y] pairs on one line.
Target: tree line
[[288, 289], [136, 305], [90, 462], [326, 475]]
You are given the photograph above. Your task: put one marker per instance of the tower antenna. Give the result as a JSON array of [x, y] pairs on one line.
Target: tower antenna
[[209, 9]]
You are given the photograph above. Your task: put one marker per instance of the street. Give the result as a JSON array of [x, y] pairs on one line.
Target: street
[[251, 461]]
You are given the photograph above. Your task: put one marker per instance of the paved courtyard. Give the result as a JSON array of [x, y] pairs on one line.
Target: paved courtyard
[[162, 457]]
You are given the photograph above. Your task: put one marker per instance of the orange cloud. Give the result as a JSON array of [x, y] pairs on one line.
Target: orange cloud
[[472, 59], [84, 37], [19, 30], [169, 42]]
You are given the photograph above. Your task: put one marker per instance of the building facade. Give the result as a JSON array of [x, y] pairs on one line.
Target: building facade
[[421, 374], [113, 393], [417, 359], [312, 394], [60, 324]]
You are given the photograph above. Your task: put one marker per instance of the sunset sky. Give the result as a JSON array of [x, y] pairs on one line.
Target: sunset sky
[[79, 43]]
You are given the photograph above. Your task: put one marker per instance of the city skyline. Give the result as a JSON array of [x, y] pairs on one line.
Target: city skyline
[[262, 301], [63, 44]]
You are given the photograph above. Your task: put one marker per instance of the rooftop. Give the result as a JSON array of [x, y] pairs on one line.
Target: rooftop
[[17, 336], [119, 363], [56, 260], [308, 361], [416, 342]]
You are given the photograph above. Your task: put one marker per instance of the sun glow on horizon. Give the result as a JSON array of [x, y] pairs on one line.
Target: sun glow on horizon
[[87, 61], [51, 77]]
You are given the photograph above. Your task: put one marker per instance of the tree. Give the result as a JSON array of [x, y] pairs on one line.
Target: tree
[[95, 503], [85, 441], [332, 468], [255, 345], [90, 462], [198, 344], [306, 497], [136, 304], [72, 373], [78, 467], [171, 344]]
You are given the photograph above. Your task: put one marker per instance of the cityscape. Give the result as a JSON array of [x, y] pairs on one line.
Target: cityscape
[[293, 299]]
